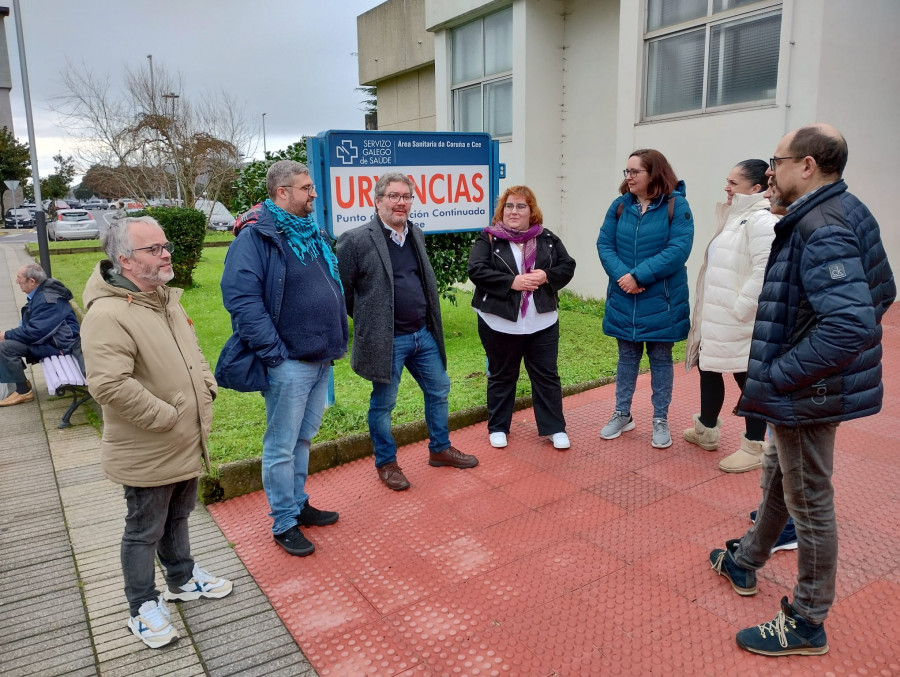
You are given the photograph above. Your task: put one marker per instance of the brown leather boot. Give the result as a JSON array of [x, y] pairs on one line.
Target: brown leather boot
[[392, 476]]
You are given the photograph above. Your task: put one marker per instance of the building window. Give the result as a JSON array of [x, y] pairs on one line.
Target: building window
[[703, 55], [482, 75]]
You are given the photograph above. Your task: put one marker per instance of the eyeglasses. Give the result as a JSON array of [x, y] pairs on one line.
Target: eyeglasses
[[632, 172], [309, 188], [394, 198], [156, 249], [521, 207], [775, 160]]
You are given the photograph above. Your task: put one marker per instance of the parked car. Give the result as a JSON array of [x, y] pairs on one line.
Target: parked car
[[128, 207], [73, 224], [60, 204], [95, 204], [20, 217], [217, 215]]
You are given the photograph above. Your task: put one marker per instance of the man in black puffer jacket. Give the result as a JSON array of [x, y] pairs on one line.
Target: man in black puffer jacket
[[815, 361]]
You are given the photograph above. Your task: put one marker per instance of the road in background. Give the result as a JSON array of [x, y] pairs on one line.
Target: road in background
[[14, 235]]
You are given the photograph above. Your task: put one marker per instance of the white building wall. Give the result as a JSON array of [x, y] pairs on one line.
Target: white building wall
[[859, 92], [589, 164], [577, 88], [406, 102]]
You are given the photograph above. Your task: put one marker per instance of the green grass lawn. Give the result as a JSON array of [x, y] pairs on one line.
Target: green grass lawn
[[32, 247], [239, 418]]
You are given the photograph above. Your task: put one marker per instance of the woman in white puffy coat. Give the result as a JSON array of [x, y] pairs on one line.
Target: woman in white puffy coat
[[725, 309]]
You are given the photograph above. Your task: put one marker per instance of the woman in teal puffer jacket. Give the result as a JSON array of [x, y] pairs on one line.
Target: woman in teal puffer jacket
[[644, 243]]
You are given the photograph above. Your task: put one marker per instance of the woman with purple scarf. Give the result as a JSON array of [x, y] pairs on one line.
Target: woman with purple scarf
[[518, 268]]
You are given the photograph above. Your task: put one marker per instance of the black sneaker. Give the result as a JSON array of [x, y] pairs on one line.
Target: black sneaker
[[722, 562], [313, 517], [786, 635], [295, 542]]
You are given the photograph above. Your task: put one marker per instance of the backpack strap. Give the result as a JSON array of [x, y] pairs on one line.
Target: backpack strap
[[621, 208]]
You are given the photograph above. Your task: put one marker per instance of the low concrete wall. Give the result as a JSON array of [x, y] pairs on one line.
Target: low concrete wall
[[244, 477]]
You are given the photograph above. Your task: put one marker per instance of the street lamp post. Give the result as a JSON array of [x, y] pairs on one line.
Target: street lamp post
[[40, 222], [264, 134], [152, 86], [173, 97]]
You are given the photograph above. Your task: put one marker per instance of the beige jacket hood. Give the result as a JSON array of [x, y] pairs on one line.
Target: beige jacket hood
[[145, 369]]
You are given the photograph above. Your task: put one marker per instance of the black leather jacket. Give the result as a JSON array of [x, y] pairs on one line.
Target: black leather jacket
[[492, 269]]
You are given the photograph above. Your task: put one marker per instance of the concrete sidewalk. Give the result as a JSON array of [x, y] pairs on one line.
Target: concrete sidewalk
[[62, 605]]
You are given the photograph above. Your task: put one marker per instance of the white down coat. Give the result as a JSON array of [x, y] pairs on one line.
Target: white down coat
[[729, 284]]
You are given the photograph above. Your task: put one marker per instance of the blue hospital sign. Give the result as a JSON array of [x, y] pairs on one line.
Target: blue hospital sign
[[454, 175]]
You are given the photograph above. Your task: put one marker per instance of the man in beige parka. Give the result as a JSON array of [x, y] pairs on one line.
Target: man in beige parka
[[145, 368]]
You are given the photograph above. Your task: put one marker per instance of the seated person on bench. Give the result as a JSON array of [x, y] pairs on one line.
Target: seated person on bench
[[48, 327]]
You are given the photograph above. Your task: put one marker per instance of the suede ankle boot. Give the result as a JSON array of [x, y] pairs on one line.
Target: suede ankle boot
[[748, 457], [703, 437]]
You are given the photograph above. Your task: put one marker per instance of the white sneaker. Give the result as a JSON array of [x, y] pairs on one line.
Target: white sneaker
[[560, 441], [152, 624], [202, 584], [498, 440]]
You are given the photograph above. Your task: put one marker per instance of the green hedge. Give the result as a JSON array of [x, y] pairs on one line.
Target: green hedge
[[186, 229]]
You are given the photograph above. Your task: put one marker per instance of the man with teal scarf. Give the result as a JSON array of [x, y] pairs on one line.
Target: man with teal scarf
[[282, 288]]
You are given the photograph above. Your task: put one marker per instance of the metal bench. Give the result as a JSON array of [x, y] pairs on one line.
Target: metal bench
[[63, 375]]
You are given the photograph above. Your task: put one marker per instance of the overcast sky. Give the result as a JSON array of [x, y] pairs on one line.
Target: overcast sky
[[291, 59]]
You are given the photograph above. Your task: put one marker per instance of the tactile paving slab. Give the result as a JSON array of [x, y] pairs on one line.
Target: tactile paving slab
[[581, 562]]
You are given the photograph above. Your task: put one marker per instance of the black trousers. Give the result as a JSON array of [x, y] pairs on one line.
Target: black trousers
[[505, 353], [712, 397]]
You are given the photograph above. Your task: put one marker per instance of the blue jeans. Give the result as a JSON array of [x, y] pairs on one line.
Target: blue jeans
[[419, 353], [295, 402], [662, 375], [156, 524], [796, 482]]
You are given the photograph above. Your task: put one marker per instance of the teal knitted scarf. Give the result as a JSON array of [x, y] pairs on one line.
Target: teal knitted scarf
[[305, 238]]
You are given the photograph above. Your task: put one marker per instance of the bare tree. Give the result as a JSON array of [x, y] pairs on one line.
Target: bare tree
[[150, 137]]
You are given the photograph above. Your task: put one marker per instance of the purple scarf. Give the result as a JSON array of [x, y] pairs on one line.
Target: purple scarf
[[529, 249]]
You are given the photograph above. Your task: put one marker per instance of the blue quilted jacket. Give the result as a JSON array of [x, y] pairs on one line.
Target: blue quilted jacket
[[655, 252], [816, 350], [49, 326]]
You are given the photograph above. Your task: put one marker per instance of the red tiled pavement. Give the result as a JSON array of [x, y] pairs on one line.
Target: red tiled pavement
[[588, 561]]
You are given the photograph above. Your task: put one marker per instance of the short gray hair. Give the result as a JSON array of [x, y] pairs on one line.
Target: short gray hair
[[33, 271], [117, 242], [282, 174], [392, 177]]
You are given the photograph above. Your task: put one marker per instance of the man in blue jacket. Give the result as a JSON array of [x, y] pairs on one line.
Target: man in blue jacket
[[283, 290], [815, 361], [48, 327]]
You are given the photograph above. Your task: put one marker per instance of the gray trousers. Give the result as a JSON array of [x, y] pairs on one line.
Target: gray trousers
[[12, 368], [157, 525], [796, 482]]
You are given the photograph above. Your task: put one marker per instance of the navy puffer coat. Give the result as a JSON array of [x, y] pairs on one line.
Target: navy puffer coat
[[655, 252], [49, 326], [816, 350]]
